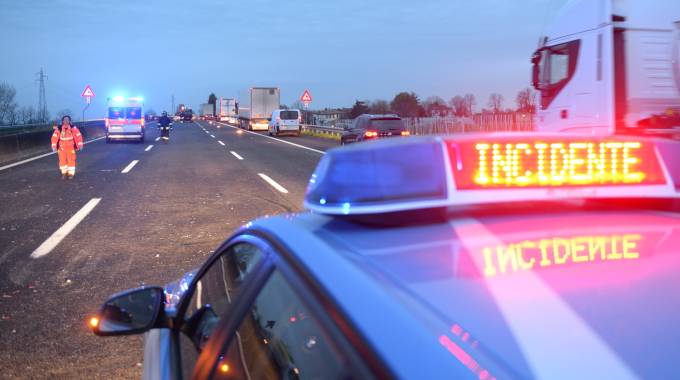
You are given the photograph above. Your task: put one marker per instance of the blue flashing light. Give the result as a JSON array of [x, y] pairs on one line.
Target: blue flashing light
[[347, 180]]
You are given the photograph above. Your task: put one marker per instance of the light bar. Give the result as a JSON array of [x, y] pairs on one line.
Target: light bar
[[393, 175]]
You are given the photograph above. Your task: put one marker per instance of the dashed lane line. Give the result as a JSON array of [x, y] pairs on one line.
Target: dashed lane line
[[279, 140], [48, 245], [130, 166], [273, 183]]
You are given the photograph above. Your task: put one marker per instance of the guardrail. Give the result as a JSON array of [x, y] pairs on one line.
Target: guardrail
[[317, 130], [26, 142]]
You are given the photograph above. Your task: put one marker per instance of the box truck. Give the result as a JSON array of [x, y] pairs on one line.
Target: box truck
[[255, 111], [610, 67], [226, 110], [206, 111]]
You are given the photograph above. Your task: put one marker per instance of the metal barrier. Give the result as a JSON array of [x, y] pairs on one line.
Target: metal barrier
[[28, 142], [328, 132]]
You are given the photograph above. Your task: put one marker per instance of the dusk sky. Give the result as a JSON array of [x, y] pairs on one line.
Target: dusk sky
[[340, 50]]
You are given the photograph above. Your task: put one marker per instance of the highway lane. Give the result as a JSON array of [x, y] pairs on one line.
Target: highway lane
[[153, 223]]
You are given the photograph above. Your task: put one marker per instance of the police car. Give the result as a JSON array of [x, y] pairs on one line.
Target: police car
[[471, 257]]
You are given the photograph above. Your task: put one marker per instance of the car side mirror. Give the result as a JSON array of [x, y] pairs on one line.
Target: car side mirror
[[131, 312]]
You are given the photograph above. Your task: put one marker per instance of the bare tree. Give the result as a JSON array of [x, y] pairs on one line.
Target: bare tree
[[495, 102], [12, 118], [66, 112], [434, 105], [457, 103], [7, 104], [470, 103], [380, 107], [526, 101], [297, 105], [26, 115]]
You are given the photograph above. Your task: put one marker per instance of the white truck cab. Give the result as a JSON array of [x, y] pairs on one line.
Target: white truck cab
[[610, 67]]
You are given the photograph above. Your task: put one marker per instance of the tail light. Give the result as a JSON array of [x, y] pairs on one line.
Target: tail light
[[142, 123], [405, 133], [106, 122], [370, 134], [278, 119]]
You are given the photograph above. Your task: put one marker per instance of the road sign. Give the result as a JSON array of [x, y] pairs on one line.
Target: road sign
[[306, 97], [87, 93]]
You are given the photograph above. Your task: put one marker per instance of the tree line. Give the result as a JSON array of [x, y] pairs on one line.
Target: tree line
[[12, 114], [408, 104]]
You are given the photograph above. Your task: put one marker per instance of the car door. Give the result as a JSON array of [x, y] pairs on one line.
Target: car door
[[281, 328], [355, 130], [209, 298]]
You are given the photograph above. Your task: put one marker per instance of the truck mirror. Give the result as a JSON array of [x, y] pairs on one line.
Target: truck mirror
[[536, 71]]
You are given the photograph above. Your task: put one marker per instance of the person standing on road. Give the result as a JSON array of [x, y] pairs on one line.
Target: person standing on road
[[66, 139], [164, 125]]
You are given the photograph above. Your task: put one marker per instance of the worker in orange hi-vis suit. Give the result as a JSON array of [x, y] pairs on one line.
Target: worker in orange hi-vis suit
[[66, 139]]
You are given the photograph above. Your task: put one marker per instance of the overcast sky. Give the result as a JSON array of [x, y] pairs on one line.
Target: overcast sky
[[339, 50]]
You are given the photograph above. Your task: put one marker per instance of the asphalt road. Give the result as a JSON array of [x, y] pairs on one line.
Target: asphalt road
[[153, 223]]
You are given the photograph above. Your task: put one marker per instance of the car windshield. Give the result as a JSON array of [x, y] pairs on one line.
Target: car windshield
[[289, 115], [133, 112], [387, 124], [116, 113]]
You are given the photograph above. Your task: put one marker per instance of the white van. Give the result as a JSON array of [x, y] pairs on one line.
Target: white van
[[125, 120], [285, 121]]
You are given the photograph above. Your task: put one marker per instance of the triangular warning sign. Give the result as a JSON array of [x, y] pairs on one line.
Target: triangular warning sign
[[306, 97], [87, 93]]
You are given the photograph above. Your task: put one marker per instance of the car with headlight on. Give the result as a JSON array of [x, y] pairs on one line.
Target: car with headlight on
[[457, 257]]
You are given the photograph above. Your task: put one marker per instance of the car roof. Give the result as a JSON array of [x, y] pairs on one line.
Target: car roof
[[380, 116], [558, 290]]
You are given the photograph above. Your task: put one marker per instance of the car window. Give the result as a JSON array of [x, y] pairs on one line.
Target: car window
[[387, 124], [289, 115], [116, 112], [133, 112], [558, 65], [280, 338], [213, 297]]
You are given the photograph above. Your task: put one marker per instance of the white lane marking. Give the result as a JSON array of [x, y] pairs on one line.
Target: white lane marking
[[273, 183], [221, 143], [213, 136], [148, 148], [236, 154], [130, 166], [207, 132], [40, 156], [558, 330], [158, 138], [48, 245], [279, 140]]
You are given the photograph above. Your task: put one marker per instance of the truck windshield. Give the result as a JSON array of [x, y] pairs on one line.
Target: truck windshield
[[289, 115], [116, 113], [387, 124], [133, 112]]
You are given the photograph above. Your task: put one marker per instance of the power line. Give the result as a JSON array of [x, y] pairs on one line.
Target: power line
[[42, 101]]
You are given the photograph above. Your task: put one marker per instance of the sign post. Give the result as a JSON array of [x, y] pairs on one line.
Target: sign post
[[88, 94], [306, 98]]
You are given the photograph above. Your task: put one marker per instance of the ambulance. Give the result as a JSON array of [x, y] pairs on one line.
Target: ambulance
[[125, 119]]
